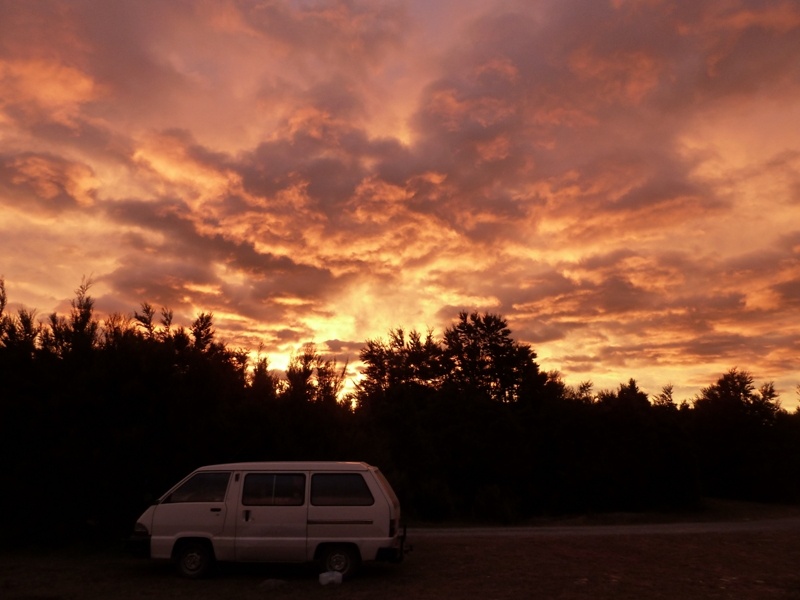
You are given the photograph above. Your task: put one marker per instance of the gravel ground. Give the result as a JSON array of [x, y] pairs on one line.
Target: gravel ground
[[749, 556]]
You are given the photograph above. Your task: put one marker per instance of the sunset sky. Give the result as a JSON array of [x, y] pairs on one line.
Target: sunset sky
[[620, 179]]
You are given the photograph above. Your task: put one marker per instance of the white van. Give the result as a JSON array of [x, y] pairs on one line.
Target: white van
[[336, 513]]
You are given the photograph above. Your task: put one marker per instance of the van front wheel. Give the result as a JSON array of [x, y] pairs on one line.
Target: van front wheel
[[193, 558], [342, 559]]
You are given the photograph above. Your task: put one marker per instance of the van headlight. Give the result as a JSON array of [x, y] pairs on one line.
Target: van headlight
[[140, 529]]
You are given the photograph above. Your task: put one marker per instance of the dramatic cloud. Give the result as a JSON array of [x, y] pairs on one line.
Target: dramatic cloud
[[620, 179]]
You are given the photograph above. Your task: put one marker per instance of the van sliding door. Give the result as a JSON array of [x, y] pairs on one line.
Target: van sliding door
[[271, 520]]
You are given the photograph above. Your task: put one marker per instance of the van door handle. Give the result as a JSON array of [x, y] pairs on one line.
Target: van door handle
[[247, 515], [216, 510]]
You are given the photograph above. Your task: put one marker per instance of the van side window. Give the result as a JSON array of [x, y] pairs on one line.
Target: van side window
[[268, 489], [340, 489], [202, 487]]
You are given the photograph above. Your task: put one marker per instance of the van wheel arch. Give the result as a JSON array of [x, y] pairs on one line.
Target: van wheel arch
[[193, 557], [343, 558]]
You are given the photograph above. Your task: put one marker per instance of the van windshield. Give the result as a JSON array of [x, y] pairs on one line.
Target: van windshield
[[201, 487]]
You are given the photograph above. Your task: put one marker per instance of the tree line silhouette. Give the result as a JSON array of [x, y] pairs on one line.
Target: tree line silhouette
[[96, 419]]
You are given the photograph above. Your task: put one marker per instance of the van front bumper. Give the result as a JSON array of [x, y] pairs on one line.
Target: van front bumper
[[138, 545]]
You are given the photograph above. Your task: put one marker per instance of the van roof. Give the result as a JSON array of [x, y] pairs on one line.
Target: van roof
[[288, 466]]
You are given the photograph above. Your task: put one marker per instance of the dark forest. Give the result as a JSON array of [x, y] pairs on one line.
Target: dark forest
[[99, 418]]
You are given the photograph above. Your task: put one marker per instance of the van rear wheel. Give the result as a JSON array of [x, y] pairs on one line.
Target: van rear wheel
[[194, 558], [342, 559]]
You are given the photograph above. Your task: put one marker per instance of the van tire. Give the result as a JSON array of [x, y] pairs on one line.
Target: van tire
[[342, 558], [193, 558]]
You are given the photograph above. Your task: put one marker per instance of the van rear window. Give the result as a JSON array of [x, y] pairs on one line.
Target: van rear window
[[269, 489], [202, 487], [340, 489]]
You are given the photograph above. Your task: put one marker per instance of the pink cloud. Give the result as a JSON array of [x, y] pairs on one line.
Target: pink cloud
[[618, 178]]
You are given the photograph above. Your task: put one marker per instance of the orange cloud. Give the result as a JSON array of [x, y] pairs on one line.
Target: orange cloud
[[619, 178], [47, 87], [623, 76]]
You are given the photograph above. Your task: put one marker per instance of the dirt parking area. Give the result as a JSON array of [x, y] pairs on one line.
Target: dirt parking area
[[615, 562]]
